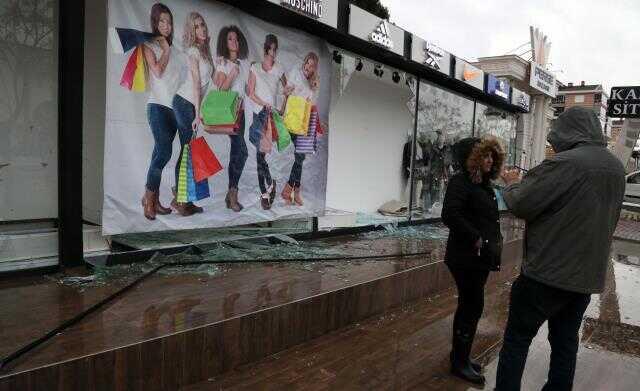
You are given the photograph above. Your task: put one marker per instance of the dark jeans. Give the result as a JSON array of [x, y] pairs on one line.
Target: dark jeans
[[237, 156], [185, 113], [162, 122], [533, 303], [470, 284], [296, 169], [264, 175]]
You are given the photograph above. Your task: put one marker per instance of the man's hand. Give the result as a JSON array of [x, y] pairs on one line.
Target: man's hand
[[511, 176]]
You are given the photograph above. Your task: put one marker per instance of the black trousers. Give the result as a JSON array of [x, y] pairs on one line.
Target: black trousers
[[470, 284], [533, 303]]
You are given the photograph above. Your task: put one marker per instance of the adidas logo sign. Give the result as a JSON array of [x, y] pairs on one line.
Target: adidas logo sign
[[381, 35]]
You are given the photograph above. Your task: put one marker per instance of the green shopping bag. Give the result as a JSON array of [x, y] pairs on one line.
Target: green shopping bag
[[220, 108], [284, 138], [183, 194]]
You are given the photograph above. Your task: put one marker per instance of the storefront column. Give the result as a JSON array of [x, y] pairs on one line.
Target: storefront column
[[413, 148], [70, 82]]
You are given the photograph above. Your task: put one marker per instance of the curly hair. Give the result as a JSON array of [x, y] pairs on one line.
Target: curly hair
[[487, 145], [222, 49]]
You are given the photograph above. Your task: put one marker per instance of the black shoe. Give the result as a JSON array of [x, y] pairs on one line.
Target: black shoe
[[475, 365]]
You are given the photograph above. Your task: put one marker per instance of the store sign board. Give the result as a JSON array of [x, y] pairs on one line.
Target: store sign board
[[520, 99], [370, 28], [469, 74], [428, 54], [542, 80], [325, 11], [497, 87], [624, 102]]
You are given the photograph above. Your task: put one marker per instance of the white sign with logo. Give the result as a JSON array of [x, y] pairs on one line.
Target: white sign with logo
[[469, 74], [428, 54], [371, 28], [542, 80], [325, 11], [520, 99]]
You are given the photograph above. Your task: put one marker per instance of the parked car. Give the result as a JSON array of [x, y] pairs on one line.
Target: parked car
[[632, 190]]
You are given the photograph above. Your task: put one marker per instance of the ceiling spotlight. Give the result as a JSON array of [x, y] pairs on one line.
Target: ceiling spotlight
[[337, 57], [378, 71], [395, 77], [359, 65]]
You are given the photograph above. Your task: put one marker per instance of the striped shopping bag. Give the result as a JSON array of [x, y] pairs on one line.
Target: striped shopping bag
[[307, 144]]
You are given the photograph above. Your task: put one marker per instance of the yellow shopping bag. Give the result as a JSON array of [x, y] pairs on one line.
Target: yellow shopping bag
[[297, 114]]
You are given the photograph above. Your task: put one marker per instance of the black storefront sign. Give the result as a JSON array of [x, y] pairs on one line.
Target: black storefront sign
[[310, 8], [624, 102]]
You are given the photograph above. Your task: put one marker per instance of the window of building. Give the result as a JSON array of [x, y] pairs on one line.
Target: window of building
[[558, 99], [443, 118], [559, 110], [597, 98], [578, 99], [498, 123]]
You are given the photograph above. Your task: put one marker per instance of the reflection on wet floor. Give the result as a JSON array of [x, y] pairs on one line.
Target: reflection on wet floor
[[408, 348]]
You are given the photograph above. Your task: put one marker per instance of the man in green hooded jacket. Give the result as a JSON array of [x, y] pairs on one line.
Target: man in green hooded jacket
[[571, 204]]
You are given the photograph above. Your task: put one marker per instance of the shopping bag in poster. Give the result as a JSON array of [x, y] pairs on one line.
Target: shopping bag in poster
[[226, 129], [140, 76], [202, 190], [266, 140], [296, 115], [205, 163], [181, 195], [129, 71], [191, 183], [284, 138], [123, 40], [274, 130], [220, 108], [307, 144]]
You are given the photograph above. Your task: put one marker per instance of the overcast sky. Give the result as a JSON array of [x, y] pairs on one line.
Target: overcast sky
[[597, 41]]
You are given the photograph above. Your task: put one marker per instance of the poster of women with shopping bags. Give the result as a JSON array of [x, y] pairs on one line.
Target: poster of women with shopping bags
[[214, 118]]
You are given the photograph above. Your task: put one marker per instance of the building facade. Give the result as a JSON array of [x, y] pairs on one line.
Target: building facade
[[533, 127], [591, 96]]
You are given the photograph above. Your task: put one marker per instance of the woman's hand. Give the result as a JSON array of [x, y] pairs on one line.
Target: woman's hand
[[288, 90], [164, 44], [511, 176], [195, 123]]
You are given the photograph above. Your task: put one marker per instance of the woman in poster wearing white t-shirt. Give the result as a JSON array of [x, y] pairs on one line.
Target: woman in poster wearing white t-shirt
[[186, 102], [262, 88], [165, 76], [304, 82], [232, 73]]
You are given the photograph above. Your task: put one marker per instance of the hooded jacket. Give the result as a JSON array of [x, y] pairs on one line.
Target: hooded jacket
[[571, 204], [470, 209]]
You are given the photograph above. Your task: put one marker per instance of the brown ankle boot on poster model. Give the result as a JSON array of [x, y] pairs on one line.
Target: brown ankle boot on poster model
[[287, 194], [297, 196], [161, 210], [194, 208], [264, 201], [180, 207], [232, 200], [149, 204]]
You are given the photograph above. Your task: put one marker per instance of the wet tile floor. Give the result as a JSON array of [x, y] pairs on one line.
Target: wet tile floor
[[408, 348]]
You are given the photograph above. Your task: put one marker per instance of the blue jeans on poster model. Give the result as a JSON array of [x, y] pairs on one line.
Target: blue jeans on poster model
[[533, 303], [296, 170], [185, 113], [162, 122], [237, 156], [255, 133]]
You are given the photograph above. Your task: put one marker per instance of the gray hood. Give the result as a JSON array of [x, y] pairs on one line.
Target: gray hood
[[578, 125]]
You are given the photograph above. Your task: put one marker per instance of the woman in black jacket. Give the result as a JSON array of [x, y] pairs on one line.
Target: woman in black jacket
[[474, 246]]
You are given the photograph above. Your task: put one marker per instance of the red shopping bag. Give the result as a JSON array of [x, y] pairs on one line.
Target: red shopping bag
[[129, 71], [319, 129], [204, 161]]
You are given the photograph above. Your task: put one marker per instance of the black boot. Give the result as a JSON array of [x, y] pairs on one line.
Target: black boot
[[461, 366], [475, 365]]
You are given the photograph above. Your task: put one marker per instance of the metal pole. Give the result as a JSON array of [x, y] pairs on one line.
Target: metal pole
[[413, 148]]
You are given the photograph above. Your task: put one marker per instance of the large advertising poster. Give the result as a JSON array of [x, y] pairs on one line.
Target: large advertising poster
[[214, 118]]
